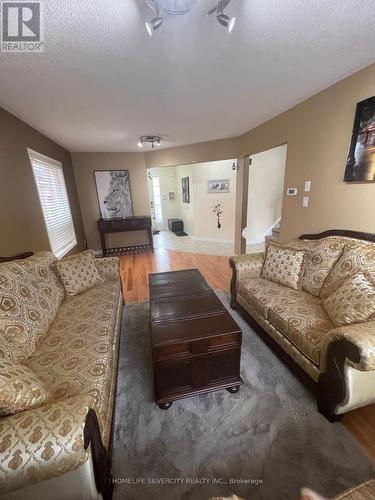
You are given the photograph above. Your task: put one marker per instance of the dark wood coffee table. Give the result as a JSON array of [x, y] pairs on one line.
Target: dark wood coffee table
[[196, 344]]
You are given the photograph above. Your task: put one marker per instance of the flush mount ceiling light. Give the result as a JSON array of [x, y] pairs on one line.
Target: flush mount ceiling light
[[149, 139], [223, 19], [181, 7]]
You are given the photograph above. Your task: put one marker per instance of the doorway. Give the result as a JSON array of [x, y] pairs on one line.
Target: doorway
[[265, 195], [193, 206]]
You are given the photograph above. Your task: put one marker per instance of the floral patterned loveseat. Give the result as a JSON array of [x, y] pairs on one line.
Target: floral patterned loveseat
[[61, 448], [338, 362]]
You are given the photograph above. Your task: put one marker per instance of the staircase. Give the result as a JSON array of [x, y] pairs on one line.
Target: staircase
[[275, 234]]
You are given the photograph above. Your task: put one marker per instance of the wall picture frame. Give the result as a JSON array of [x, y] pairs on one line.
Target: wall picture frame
[[218, 186], [114, 194], [185, 190], [360, 165]]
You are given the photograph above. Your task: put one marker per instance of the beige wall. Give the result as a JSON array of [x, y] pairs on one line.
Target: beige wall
[[318, 133], [21, 219], [84, 166]]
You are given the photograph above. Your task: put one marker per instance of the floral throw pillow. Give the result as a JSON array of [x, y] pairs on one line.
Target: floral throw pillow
[[353, 302], [284, 265], [78, 273], [20, 389]]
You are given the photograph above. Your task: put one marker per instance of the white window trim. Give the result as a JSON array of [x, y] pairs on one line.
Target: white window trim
[[34, 155]]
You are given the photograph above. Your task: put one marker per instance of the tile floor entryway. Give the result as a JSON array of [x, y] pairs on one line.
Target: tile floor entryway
[[169, 241]]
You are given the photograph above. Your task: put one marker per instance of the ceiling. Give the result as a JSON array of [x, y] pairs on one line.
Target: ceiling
[[102, 81]]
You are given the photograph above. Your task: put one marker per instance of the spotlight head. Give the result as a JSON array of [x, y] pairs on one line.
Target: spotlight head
[[154, 25], [140, 144], [226, 21]]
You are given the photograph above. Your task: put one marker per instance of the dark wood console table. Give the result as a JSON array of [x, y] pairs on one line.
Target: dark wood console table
[[141, 223]]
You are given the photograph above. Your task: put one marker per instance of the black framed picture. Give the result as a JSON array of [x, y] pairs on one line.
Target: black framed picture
[[185, 190], [114, 196], [360, 166]]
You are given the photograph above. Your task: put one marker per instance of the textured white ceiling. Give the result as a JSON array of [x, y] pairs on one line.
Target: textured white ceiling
[[102, 81]]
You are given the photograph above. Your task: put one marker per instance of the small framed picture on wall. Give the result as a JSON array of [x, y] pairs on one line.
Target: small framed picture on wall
[[185, 190], [220, 186]]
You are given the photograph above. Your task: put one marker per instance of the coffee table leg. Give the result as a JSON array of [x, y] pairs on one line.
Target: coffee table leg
[[165, 406], [233, 389]]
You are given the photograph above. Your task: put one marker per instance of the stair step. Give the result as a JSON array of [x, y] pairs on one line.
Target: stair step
[[276, 231]]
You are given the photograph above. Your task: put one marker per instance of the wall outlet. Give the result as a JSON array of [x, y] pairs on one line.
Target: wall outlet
[[307, 186], [305, 202]]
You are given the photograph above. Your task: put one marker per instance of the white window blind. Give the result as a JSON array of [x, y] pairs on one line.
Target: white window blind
[[50, 183]]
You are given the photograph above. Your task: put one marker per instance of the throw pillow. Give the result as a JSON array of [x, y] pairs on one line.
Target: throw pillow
[[284, 265], [78, 273], [20, 389], [353, 302], [354, 259]]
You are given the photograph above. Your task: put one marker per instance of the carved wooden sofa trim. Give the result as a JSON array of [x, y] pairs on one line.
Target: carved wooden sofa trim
[[331, 387]]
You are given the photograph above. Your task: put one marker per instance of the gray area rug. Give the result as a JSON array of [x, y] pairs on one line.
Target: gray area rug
[[269, 436]]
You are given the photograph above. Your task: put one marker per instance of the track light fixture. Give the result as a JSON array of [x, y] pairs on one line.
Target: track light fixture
[[149, 139], [154, 24], [160, 7]]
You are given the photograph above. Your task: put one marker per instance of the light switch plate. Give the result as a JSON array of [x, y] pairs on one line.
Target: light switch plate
[[305, 202], [307, 186]]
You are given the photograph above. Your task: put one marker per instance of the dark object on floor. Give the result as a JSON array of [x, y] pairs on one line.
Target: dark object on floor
[[175, 225], [155, 231], [260, 433], [196, 345], [180, 233]]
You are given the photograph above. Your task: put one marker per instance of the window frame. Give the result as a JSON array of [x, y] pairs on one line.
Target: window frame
[[35, 155]]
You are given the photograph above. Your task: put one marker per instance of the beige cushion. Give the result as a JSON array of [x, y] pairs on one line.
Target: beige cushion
[[78, 273], [20, 389], [353, 302], [284, 265], [355, 258], [304, 322], [30, 296]]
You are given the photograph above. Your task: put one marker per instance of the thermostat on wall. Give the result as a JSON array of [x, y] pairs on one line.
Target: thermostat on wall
[[292, 191]]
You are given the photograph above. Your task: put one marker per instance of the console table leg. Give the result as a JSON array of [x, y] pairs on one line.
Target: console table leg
[[165, 406]]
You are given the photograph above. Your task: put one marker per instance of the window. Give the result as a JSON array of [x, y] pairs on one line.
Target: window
[[50, 183]]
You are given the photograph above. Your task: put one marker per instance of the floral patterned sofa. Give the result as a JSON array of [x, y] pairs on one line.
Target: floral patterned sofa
[[337, 362], [61, 448]]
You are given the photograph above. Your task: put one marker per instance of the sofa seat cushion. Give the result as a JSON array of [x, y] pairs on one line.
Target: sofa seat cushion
[[262, 294], [30, 296], [79, 354], [303, 321]]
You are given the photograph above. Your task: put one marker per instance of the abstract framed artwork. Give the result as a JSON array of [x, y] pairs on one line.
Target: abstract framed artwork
[[360, 165], [114, 196], [185, 190], [220, 186]]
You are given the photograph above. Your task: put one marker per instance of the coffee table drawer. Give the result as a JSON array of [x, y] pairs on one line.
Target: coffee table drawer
[[201, 346]]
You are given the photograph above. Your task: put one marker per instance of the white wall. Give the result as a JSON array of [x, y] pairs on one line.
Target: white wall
[[205, 221], [266, 186], [168, 184], [199, 220]]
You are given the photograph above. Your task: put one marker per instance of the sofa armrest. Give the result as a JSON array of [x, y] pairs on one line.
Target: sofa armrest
[[248, 265], [362, 337], [109, 267], [42, 443]]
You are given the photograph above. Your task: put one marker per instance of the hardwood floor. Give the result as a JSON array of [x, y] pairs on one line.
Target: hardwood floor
[[134, 273]]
